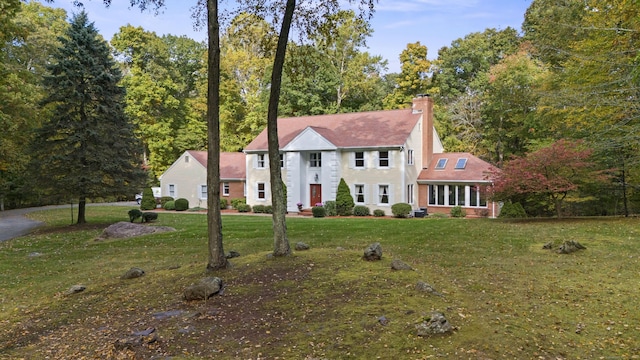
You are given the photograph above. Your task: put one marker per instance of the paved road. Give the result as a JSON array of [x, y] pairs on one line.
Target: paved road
[[14, 224]]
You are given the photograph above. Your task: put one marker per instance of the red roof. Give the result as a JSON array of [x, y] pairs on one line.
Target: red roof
[[475, 169], [232, 164], [352, 130]]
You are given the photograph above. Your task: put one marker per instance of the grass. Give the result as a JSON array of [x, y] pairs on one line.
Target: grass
[[507, 297]]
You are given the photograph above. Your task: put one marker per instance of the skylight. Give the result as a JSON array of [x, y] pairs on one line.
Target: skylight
[[441, 164], [461, 163]]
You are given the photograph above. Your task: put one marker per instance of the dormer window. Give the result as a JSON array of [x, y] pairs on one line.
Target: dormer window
[[441, 164], [461, 163]]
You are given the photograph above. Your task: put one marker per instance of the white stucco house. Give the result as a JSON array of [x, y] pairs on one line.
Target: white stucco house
[[385, 157]]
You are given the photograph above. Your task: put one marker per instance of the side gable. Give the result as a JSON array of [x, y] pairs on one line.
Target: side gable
[[185, 159], [232, 164]]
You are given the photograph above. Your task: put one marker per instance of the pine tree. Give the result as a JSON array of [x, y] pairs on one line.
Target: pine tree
[[87, 148]]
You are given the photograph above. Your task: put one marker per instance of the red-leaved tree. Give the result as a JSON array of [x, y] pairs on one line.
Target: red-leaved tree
[[553, 171]]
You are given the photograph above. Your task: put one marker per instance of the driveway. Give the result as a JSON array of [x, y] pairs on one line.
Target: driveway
[[14, 224]]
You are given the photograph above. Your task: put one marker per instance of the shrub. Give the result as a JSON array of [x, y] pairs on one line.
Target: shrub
[[400, 210], [318, 211], [149, 216], [223, 203], [344, 200], [169, 205], [378, 213], [182, 204], [236, 202], [134, 214], [258, 209], [243, 208], [165, 199], [458, 212], [361, 210], [268, 209], [330, 208], [512, 211], [148, 201]]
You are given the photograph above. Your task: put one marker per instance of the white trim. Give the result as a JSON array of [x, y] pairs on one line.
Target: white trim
[[388, 195], [200, 192], [226, 188]]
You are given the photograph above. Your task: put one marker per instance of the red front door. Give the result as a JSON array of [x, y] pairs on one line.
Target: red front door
[[316, 194]]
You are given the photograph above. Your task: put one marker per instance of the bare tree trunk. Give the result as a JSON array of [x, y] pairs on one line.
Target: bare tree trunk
[[82, 205], [281, 242], [217, 259]]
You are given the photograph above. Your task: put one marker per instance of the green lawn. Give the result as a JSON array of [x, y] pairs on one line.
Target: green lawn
[[506, 296]]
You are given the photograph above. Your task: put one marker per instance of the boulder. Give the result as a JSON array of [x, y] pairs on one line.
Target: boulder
[[125, 229], [300, 246], [203, 289], [132, 273], [424, 287], [373, 252], [75, 289], [436, 324], [400, 265], [232, 254], [570, 246]]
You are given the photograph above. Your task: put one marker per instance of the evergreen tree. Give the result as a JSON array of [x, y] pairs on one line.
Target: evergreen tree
[[87, 148], [344, 200]]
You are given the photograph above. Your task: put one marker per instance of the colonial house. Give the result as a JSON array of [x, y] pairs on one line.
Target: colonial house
[[385, 157], [187, 177]]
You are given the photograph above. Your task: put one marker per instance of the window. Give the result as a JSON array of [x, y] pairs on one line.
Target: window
[[432, 194], [281, 160], [315, 159], [441, 164], [410, 158], [461, 195], [383, 159], [172, 190], [383, 194], [359, 159], [262, 193], [186, 158], [359, 193], [410, 194], [261, 161], [225, 189], [461, 163], [203, 192], [474, 194], [440, 195]]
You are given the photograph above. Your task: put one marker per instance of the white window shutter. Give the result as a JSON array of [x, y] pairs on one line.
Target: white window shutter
[[392, 154], [367, 196], [352, 159], [391, 201]]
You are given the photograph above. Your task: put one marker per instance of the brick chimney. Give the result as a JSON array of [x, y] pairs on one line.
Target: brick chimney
[[422, 103]]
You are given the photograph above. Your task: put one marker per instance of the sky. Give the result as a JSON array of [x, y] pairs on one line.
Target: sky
[[395, 23]]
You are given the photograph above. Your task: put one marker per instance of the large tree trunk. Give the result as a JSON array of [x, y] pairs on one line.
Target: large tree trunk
[[281, 243], [82, 204], [217, 259]]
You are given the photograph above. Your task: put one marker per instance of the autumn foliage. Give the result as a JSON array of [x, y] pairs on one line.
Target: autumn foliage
[[553, 171]]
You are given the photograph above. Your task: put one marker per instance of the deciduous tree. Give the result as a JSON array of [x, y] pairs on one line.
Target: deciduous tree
[[553, 171]]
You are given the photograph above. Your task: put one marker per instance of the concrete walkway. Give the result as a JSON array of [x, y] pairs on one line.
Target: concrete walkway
[[14, 224]]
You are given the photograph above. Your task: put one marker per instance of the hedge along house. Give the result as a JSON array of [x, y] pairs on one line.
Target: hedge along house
[[187, 177], [384, 156]]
